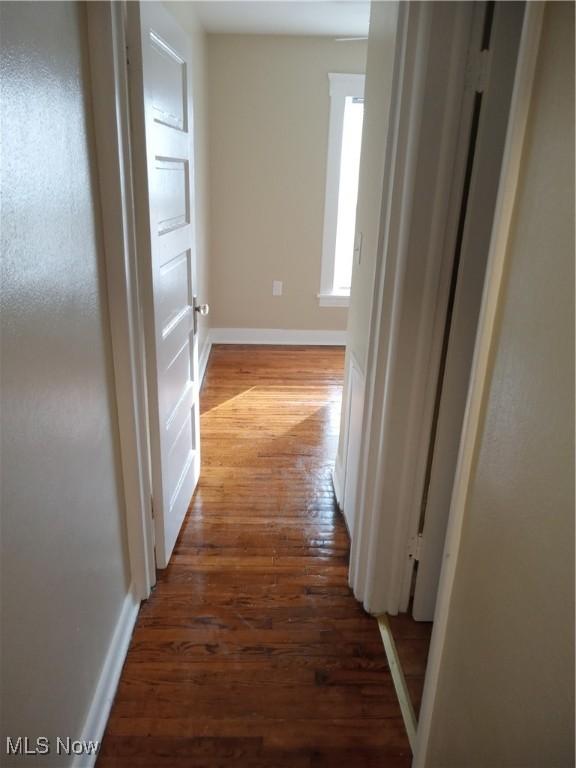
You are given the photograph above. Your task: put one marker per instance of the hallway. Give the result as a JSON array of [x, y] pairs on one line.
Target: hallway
[[252, 650]]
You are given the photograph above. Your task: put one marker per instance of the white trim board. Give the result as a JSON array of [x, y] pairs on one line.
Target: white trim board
[[105, 690], [277, 336], [205, 356], [334, 299], [107, 47]]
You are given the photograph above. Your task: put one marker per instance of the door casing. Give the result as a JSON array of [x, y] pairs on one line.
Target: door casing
[[486, 147], [110, 92], [411, 288], [479, 380]]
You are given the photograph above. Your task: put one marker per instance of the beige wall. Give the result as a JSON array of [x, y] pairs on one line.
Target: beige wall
[[184, 13], [64, 558], [268, 116], [505, 697]]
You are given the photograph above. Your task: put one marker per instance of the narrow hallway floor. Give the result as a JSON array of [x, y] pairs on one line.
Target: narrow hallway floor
[[252, 650]]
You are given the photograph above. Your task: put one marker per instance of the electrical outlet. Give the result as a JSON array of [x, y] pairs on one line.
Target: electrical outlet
[[276, 287]]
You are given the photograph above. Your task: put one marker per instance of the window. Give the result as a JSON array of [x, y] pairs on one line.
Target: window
[[343, 167]]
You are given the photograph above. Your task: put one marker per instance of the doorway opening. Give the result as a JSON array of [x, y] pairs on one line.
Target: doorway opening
[[285, 145], [486, 98], [459, 118]]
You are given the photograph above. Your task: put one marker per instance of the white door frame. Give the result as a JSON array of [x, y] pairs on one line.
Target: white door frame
[[492, 92], [496, 269], [109, 83], [379, 547], [413, 271]]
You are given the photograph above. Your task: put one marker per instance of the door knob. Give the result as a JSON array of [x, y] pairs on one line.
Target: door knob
[[199, 309]]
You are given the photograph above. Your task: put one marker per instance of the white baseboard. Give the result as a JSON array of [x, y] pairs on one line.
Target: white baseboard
[[337, 480], [97, 717], [205, 354], [277, 336]]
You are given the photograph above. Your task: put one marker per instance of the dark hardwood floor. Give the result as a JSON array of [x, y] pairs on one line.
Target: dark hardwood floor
[[252, 650]]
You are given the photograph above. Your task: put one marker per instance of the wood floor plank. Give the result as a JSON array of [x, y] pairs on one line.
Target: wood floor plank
[[252, 650]]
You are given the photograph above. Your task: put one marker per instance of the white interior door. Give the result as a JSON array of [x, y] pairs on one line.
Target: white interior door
[[354, 443], [159, 62], [492, 124]]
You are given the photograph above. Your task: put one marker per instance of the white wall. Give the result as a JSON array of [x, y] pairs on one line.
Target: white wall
[[64, 556], [505, 695], [185, 15], [268, 116]]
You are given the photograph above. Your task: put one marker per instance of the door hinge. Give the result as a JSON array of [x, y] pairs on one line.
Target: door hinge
[[415, 545], [478, 71], [152, 528]]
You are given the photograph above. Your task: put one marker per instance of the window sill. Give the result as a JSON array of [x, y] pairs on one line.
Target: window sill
[[334, 299]]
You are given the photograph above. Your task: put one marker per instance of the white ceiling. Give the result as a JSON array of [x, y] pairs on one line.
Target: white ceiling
[[334, 18]]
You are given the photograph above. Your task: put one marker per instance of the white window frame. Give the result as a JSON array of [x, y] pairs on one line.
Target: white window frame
[[341, 87]]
